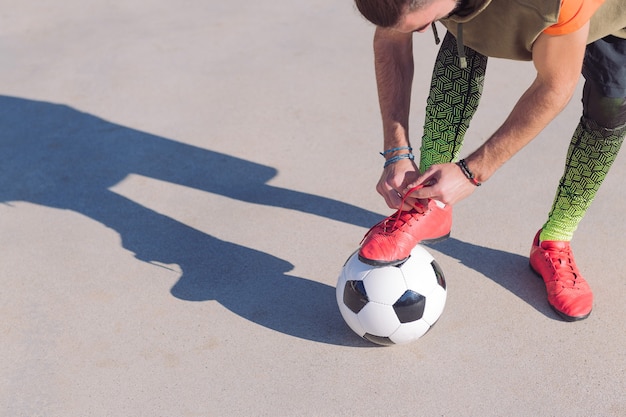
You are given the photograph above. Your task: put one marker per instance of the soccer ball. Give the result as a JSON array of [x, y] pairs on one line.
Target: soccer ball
[[392, 304]]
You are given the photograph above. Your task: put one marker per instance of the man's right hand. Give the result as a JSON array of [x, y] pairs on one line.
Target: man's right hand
[[394, 180]]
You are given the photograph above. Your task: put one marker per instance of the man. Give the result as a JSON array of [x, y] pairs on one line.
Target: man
[[561, 37]]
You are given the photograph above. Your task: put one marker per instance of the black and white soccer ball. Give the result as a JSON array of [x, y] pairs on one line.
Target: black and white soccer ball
[[392, 304]]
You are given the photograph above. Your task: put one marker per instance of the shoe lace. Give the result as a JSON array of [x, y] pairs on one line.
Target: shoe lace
[[402, 216], [562, 260]]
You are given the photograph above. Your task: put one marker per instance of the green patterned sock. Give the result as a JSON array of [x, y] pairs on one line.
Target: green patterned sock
[[591, 153], [453, 100]]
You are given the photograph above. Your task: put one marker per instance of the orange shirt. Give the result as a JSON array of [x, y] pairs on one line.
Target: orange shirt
[[574, 14]]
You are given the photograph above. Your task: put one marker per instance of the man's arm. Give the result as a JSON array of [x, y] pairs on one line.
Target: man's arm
[[393, 54], [393, 62], [558, 60]]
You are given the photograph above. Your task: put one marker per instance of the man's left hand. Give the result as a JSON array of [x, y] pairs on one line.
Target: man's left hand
[[442, 182]]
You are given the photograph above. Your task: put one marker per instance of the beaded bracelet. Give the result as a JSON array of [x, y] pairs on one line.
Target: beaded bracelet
[[469, 174], [401, 148], [396, 158]]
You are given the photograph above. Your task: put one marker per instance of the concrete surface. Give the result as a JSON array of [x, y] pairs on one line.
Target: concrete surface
[[180, 183]]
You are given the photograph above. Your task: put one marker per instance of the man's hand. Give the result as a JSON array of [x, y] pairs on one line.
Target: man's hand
[[442, 182], [393, 182]]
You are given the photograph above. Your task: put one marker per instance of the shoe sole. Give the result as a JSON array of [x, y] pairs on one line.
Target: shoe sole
[[435, 240], [560, 313], [380, 264], [399, 262]]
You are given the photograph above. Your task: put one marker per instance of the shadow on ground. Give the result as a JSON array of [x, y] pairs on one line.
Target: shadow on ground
[[509, 270], [55, 156]]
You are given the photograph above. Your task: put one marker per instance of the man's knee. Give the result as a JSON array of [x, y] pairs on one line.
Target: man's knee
[[608, 112]]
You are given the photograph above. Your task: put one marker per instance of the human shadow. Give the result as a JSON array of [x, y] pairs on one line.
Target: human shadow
[[509, 270], [56, 156]]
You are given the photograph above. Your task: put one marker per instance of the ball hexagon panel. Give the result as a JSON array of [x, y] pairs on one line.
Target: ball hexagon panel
[[378, 319], [419, 276], [385, 285], [355, 269], [435, 304], [410, 331]]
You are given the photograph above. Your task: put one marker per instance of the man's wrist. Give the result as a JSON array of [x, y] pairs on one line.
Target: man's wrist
[[462, 164], [398, 153]]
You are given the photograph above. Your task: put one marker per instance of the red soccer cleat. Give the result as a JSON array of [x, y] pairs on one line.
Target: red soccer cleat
[[390, 242], [568, 292]]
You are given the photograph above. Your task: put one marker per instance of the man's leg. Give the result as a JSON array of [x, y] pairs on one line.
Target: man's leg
[[451, 104], [592, 150], [591, 153], [597, 138]]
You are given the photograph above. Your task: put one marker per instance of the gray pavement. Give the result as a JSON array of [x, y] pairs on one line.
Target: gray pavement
[[180, 183]]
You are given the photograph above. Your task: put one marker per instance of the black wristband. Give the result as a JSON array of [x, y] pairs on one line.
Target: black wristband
[[466, 171]]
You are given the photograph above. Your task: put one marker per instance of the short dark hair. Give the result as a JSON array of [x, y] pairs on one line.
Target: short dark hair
[[387, 13]]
